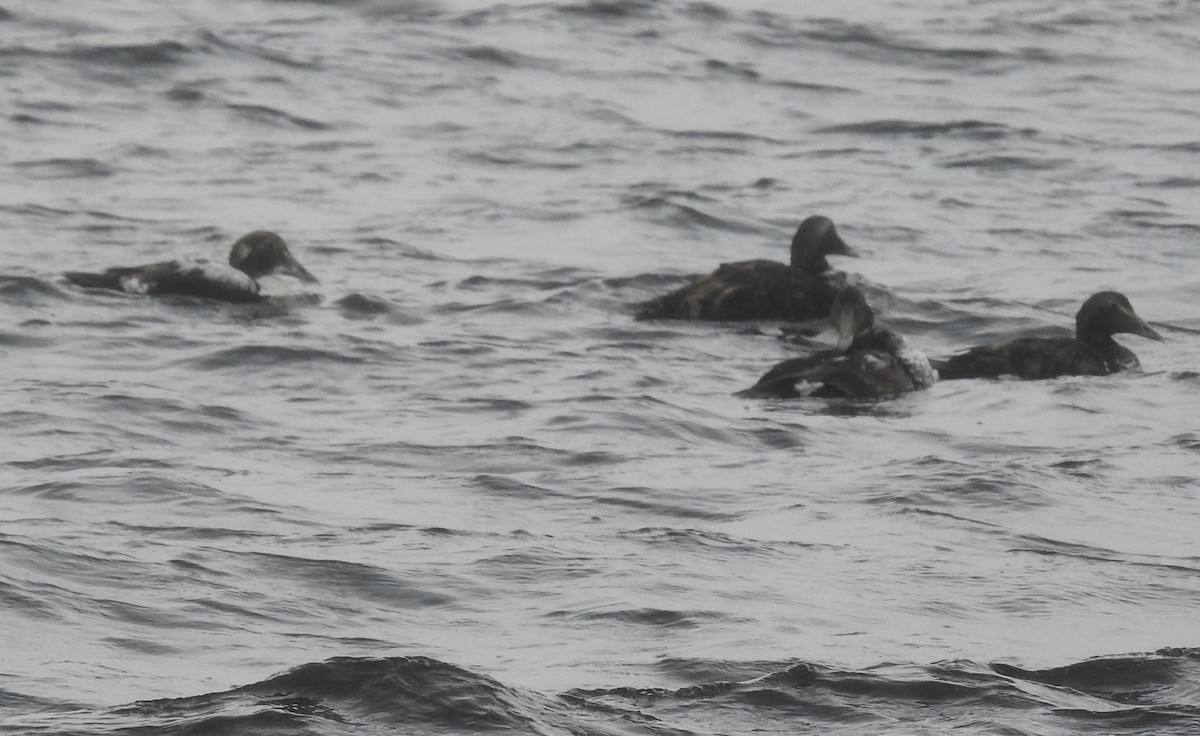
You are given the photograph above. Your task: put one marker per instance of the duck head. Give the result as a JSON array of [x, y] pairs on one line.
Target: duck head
[[263, 252], [814, 239], [1108, 313]]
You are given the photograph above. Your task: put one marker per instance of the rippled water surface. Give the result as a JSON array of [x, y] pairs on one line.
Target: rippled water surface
[[460, 489]]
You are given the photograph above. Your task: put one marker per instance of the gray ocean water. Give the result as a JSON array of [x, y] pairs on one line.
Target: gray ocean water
[[459, 489]]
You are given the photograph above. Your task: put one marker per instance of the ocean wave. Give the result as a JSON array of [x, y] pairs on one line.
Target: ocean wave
[[1007, 163], [161, 53], [268, 115], [495, 56], [979, 130], [664, 208], [369, 306], [353, 695], [66, 168], [27, 291], [267, 356], [349, 581], [612, 9], [228, 46], [1127, 694], [657, 617], [122, 487], [722, 135]]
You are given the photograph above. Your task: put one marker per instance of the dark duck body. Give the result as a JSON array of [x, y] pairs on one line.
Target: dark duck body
[[254, 262], [1092, 352], [850, 314], [876, 363], [761, 289]]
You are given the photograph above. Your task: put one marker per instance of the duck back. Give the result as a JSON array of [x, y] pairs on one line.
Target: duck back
[[878, 363], [107, 279], [783, 380], [1029, 358], [868, 374], [746, 290], [175, 278]]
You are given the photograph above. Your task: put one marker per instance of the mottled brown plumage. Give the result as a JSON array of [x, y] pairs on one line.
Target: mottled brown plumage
[[850, 314], [877, 364]]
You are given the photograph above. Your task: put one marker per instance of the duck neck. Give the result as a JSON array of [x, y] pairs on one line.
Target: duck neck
[[1101, 341], [812, 262], [1116, 356]]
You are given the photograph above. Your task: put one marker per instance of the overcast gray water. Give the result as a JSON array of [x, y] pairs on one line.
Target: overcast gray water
[[459, 489]]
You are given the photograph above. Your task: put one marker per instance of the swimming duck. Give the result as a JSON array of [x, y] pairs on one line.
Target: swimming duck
[[762, 289], [1092, 352], [878, 362], [254, 262], [850, 314]]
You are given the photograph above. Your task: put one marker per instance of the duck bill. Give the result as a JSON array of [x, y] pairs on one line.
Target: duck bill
[[838, 247], [294, 268], [1142, 329]]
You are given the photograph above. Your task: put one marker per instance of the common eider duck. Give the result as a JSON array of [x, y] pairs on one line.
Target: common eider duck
[[762, 289], [850, 314], [1092, 352], [255, 261], [877, 363]]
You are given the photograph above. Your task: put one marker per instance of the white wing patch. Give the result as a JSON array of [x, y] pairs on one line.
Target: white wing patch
[[873, 362], [134, 285], [187, 277], [221, 273], [271, 285]]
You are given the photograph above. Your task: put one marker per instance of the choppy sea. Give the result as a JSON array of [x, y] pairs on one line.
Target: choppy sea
[[458, 489]]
